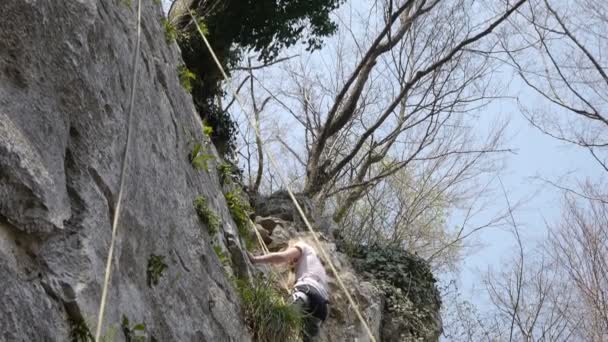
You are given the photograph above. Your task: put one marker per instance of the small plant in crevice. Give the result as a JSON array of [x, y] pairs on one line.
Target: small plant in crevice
[[207, 215], [156, 267], [224, 170], [200, 23], [79, 331], [268, 314], [239, 210], [224, 259], [170, 30], [135, 333], [199, 159], [207, 130], [186, 77], [224, 130]]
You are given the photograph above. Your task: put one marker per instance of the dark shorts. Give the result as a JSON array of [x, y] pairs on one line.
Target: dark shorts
[[316, 309]]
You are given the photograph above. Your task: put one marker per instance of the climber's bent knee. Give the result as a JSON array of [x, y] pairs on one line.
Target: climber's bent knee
[[315, 308]]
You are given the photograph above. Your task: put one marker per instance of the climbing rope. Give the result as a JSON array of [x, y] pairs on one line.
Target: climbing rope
[[123, 172], [254, 126], [265, 249]]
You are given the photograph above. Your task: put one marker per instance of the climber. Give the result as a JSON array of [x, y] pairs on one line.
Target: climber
[[310, 288]]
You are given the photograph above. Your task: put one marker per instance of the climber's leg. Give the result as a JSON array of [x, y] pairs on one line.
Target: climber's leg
[[312, 327], [316, 309]]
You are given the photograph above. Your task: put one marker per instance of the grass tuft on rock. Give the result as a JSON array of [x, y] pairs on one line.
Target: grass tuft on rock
[[79, 331], [269, 316], [240, 209], [207, 215], [155, 269]]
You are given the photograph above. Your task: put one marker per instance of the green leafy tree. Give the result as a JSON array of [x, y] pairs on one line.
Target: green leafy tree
[[235, 27]]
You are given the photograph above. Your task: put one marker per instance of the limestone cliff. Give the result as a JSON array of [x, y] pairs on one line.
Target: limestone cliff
[[65, 75]]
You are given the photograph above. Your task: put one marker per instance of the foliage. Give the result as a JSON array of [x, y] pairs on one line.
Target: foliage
[[199, 159], [170, 31], [137, 333], [156, 267], [186, 77], [207, 130], [410, 211], [229, 172], [235, 27], [224, 259], [201, 25], [269, 316], [411, 296], [224, 129], [79, 331], [267, 26], [207, 215], [224, 171], [239, 209], [396, 267]]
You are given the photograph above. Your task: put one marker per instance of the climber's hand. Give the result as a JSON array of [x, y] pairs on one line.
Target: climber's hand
[[252, 258]]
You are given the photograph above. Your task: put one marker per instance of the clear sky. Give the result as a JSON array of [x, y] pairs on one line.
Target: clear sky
[[537, 156]]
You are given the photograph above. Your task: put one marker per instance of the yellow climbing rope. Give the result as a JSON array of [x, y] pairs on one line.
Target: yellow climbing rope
[[108, 270], [254, 126]]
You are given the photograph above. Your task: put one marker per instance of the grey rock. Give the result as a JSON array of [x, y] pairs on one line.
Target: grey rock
[[241, 267], [280, 238], [269, 223], [326, 225], [280, 205], [263, 233], [65, 74]]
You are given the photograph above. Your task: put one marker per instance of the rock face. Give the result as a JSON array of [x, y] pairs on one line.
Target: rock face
[[65, 78]]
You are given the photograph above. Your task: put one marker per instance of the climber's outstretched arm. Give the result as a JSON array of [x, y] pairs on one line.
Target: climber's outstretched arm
[[290, 254]]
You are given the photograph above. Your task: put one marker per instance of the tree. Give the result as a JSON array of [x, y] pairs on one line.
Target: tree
[[235, 27], [462, 321], [415, 80], [559, 53], [410, 210], [579, 245], [531, 302], [399, 183], [560, 292]]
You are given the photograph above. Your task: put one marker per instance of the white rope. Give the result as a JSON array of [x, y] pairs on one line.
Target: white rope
[[108, 270], [253, 125]]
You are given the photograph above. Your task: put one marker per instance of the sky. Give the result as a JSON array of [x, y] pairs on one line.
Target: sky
[[536, 157]]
